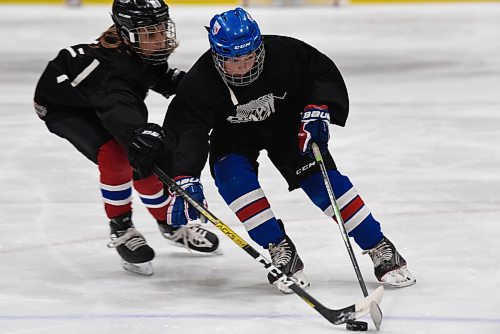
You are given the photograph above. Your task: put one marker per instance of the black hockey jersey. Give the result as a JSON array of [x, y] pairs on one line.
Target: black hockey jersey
[[262, 115], [109, 82]]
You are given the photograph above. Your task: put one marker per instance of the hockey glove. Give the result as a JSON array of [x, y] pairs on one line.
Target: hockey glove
[[314, 128], [145, 148], [168, 86], [180, 211]]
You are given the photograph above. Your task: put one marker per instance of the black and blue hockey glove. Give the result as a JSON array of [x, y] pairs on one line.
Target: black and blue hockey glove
[[180, 211], [314, 128]]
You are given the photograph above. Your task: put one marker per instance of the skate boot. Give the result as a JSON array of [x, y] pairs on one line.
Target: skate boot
[[390, 266], [131, 246], [284, 257], [192, 236]]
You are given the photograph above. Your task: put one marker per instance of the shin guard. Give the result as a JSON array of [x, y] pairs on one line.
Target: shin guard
[[358, 219], [238, 185], [116, 179]]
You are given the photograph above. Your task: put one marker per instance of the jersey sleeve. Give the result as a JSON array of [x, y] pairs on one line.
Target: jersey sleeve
[[61, 81], [188, 123], [325, 84], [121, 109], [169, 81]]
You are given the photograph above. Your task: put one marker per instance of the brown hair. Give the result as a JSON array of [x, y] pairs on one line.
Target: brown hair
[[109, 39]]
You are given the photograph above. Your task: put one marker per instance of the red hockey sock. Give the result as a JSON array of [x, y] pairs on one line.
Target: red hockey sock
[[153, 196], [116, 179]]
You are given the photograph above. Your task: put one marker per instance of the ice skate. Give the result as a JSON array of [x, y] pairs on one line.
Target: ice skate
[[284, 257], [131, 246], [390, 266], [192, 236]]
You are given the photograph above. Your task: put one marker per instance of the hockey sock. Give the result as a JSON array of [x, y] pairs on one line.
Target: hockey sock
[[358, 220], [116, 179], [152, 196], [238, 185]]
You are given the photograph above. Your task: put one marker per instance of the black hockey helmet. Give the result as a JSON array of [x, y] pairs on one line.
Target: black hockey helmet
[[146, 27]]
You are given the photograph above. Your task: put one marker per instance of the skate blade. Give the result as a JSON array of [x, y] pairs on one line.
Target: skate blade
[[145, 269], [299, 278]]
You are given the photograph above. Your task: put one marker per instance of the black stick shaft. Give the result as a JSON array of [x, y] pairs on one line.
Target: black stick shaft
[[338, 217]]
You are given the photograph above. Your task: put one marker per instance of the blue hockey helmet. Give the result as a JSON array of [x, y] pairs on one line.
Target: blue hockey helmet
[[235, 34]]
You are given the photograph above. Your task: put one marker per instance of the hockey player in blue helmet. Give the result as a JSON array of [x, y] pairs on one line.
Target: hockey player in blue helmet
[[279, 94], [237, 47]]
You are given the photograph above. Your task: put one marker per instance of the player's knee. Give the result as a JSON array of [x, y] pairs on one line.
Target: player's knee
[[112, 157], [148, 185], [232, 170], [314, 187]]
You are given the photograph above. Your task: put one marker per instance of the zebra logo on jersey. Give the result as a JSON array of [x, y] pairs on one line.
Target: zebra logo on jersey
[[256, 110]]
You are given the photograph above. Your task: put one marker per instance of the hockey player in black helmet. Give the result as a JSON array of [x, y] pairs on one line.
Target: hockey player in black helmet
[[146, 27], [253, 92], [93, 96]]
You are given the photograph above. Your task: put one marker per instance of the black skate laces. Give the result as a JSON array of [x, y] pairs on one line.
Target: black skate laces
[[281, 254], [381, 252], [130, 238], [192, 234]]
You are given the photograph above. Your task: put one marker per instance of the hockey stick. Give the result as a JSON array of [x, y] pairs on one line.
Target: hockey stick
[[375, 312], [335, 317]]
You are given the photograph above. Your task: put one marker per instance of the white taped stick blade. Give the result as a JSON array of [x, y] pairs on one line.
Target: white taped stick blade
[[376, 314], [363, 307]]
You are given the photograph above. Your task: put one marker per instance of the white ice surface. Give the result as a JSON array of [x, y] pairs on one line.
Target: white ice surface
[[421, 146]]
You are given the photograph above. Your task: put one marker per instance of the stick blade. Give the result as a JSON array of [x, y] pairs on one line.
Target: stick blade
[[376, 314], [364, 306]]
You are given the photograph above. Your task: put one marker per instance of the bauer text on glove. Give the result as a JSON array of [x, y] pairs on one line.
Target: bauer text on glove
[[314, 128], [180, 211], [145, 148]]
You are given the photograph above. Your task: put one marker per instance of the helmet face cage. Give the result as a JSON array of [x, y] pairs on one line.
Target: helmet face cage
[[146, 27], [235, 38], [246, 78], [154, 43]]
